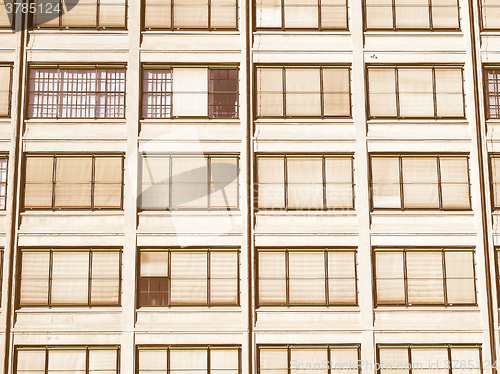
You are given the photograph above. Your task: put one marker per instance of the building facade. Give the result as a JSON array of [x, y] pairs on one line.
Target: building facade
[[223, 186]]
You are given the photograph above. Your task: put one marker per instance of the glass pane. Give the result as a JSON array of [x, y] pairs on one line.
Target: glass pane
[[415, 92], [270, 92], [303, 94], [382, 92]]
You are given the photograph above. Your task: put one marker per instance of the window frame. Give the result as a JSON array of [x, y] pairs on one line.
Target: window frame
[[54, 173], [481, 20], [400, 155], [12, 18], [11, 66], [5, 156], [67, 347], [61, 27], [486, 92], [448, 346], [169, 250], [297, 29], [209, 180], [78, 249], [285, 180], [290, 347], [75, 66], [396, 67], [305, 67], [494, 206], [147, 66], [172, 19], [414, 249], [413, 29], [305, 249]]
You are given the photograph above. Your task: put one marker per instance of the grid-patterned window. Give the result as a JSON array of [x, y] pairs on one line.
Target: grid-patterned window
[[84, 14], [415, 92], [213, 359], [3, 181], [423, 276], [191, 14], [305, 182], [492, 88], [309, 91], [301, 14], [189, 182], [6, 14], [452, 359], [67, 359], [184, 277], [412, 15], [420, 182], [321, 359], [490, 11], [5, 88], [76, 91], [173, 92], [76, 277], [495, 180], [293, 277], [73, 181]]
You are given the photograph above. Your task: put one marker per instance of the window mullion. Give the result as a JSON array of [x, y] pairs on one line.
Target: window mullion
[[440, 190], [445, 282], [405, 277]]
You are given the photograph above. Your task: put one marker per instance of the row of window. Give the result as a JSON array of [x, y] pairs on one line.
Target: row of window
[[210, 277], [98, 92], [269, 14], [276, 359]]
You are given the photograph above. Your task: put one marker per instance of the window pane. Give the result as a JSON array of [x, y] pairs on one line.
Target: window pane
[[305, 182], [336, 94], [339, 192], [308, 357], [382, 92], [153, 361], [157, 14], [378, 14], [490, 11], [157, 93], [223, 93], [425, 277], [460, 277], [38, 188], [190, 87], [341, 277], [224, 361], [454, 182], [493, 92], [155, 183], [223, 14], [301, 13], [190, 14], [392, 358], [449, 94], [412, 14], [102, 361], [274, 360], [268, 13], [187, 361], [272, 281], [35, 278], [105, 278], [4, 87], [189, 182], [271, 179], [224, 278], [303, 94], [333, 14], [385, 182], [224, 182], [445, 14], [415, 92], [154, 264], [420, 182], [83, 13], [270, 92], [390, 277], [30, 362], [4, 16], [70, 278], [307, 277], [112, 13], [189, 278], [69, 361]]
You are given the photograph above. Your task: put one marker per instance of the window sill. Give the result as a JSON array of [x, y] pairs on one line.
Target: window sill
[[302, 32], [191, 309], [346, 212], [417, 121], [193, 213], [70, 309], [421, 308], [220, 32], [70, 31], [191, 121], [390, 212], [79, 121], [72, 212], [309, 309], [406, 33], [304, 121]]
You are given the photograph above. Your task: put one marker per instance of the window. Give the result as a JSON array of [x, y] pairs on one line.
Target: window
[[305, 182], [292, 277], [495, 180], [406, 359], [6, 18], [301, 14], [424, 276], [420, 182], [76, 277], [490, 11], [415, 92], [193, 14], [5, 88], [323, 359], [213, 359], [67, 359], [85, 14], [314, 92], [189, 182], [492, 88], [3, 181], [173, 277], [411, 15], [77, 91], [174, 92], [73, 182]]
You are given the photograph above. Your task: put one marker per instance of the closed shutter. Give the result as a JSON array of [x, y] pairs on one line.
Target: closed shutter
[[35, 278], [5, 78], [333, 14], [190, 85], [108, 182], [224, 182], [30, 361], [425, 277], [495, 179], [305, 182], [105, 283], [466, 354], [155, 183], [190, 14], [416, 94], [70, 278], [272, 278], [186, 361], [301, 14], [425, 360], [490, 11], [307, 278], [73, 182], [303, 92], [67, 361], [390, 277], [378, 15], [224, 361], [273, 361], [268, 14], [444, 14], [223, 278], [339, 191], [38, 187], [344, 360], [153, 361], [394, 360], [271, 179], [4, 16], [270, 92], [102, 361], [157, 14], [336, 90], [83, 13], [313, 357], [455, 192], [382, 92], [386, 192], [189, 278], [412, 14], [341, 278], [460, 280], [420, 182], [111, 13], [449, 91], [189, 182], [223, 14]]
